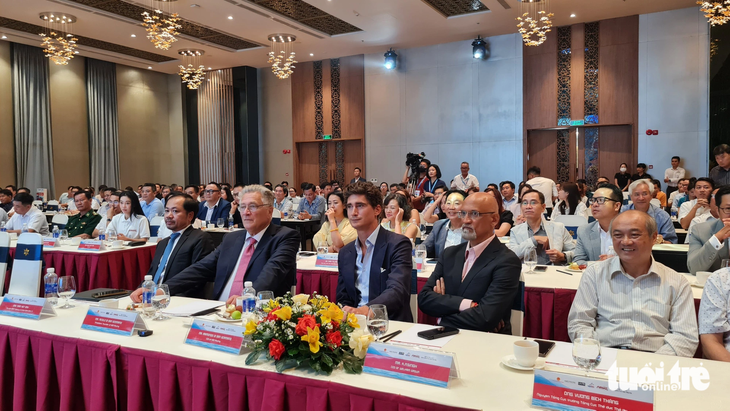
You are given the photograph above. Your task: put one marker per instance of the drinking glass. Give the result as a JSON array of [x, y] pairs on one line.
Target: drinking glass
[[586, 351], [322, 247], [160, 301], [263, 299], [531, 261], [220, 223], [725, 263], [378, 320], [422, 227], [111, 236], [63, 237], [66, 289]]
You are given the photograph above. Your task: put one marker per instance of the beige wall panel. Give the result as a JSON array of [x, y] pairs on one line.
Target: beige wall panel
[[275, 127], [7, 139]]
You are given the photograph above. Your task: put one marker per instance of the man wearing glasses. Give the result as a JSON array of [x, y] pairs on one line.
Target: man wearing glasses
[[214, 207], [474, 284], [151, 205], [708, 244], [552, 243], [263, 253], [594, 238]]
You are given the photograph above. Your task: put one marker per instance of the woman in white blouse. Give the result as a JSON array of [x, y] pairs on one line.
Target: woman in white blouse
[[131, 224], [569, 202]]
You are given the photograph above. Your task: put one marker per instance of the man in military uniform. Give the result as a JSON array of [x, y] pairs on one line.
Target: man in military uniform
[[82, 224]]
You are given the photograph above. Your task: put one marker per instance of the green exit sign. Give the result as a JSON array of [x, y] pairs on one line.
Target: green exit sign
[[577, 122], [327, 137]]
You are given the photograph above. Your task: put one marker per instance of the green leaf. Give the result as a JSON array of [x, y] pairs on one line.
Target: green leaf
[[282, 365], [327, 360], [253, 357]]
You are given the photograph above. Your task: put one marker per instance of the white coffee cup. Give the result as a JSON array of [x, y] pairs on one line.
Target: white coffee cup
[[702, 277], [362, 322], [109, 303], [75, 241], [117, 244], [526, 352]]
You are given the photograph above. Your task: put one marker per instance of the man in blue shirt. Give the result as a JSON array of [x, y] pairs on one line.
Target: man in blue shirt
[[640, 192], [151, 205], [312, 206]]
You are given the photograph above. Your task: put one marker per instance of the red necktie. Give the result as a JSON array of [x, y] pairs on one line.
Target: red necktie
[[237, 287]]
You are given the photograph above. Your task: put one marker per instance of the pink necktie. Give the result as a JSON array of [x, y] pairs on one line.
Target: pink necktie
[[237, 287]]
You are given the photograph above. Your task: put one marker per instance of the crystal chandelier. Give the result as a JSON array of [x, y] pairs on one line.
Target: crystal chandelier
[[161, 24], [282, 56], [191, 71], [58, 43], [535, 23], [717, 12]]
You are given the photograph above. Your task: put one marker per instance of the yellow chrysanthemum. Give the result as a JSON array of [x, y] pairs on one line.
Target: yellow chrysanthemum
[[332, 312], [352, 320], [312, 338], [250, 328], [283, 313], [271, 306]]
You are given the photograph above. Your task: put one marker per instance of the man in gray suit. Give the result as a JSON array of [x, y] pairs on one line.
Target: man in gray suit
[[594, 238], [707, 244]]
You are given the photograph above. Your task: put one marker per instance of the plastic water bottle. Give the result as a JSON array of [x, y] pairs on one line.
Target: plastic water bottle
[[102, 235], [25, 228], [56, 232], [249, 297], [148, 310], [230, 222], [50, 280], [674, 213], [2, 227], [421, 254]]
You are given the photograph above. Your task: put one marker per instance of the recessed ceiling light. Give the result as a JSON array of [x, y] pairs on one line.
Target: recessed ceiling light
[[311, 54], [4, 37], [572, 15], [210, 68], [134, 35], [149, 67], [230, 17]]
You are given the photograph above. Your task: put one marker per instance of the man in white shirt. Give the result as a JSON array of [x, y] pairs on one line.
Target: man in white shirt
[[66, 196], [507, 188], [708, 244], [26, 214], [465, 181], [281, 200], [697, 210], [631, 301], [544, 185], [594, 239], [673, 175], [714, 316], [673, 200]]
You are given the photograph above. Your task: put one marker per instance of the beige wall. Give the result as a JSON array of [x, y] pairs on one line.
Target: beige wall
[[275, 127], [69, 125], [7, 139]]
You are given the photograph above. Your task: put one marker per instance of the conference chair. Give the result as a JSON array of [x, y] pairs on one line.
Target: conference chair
[[276, 217], [59, 220], [517, 317], [626, 198], [4, 255], [155, 224], [25, 279], [52, 205], [656, 202], [38, 204], [572, 222]]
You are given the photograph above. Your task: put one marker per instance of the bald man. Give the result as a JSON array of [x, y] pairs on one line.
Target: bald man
[[631, 301], [475, 284]]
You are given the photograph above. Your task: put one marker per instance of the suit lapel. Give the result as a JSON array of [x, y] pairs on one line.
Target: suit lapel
[[596, 245], [262, 244], [376, 263], [350, 274], [230, 263], [443, 236], [183, 237], [485, 258], [453, 279]]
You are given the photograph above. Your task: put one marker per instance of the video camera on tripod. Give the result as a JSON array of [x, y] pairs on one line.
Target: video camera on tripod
[[413, 161]]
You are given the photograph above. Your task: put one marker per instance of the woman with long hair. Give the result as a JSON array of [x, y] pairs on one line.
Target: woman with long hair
[[505, 216], [569, 202], [396, 207], [336, 231], [130, 224]]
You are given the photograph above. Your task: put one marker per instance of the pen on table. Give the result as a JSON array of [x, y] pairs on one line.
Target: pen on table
[[564, 272], [391, 335]]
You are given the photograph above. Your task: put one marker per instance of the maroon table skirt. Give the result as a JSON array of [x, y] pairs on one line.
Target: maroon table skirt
[[44, 372], [123, 269]]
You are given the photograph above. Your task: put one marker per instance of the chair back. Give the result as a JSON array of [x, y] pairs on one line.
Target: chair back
[[59, 220], [656, 202], [25, 279], [4, 255], [518, 309], [276, 217], [155, 224], [38, 204], [626, 198], [571, 222], [52, 205]]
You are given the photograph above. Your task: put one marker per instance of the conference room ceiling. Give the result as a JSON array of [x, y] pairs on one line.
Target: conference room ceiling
[[324, 28]]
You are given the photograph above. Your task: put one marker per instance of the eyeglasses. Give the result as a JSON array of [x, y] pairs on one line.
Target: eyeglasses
[[211, 191], [725, 210], [114, 202], [600, 200], [252, 207], [474, 214], [532, 203]]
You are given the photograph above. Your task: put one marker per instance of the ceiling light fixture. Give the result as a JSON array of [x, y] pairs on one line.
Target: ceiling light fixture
[[534, 23], [134, 35], [58, 43], [191, 71], [149, 67], [311, 54], [391, 59], [572, 15], [230, 17], [161, 23], [717, 11], [4, 37], [479, 48], [282, 55]]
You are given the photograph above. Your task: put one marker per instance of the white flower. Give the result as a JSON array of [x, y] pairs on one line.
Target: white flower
[[359, 342]]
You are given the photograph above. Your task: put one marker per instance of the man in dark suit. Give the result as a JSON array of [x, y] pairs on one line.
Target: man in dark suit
[[184, 247], [594, 239], [214, 207], [263, 253], [708, 241], [475, 284], [358, 176], [376, 268]]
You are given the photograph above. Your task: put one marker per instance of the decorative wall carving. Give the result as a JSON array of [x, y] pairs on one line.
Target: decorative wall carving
[[564, 54], [591, 154], [318, 117], [335, 75], [591, 73], [563, 156]]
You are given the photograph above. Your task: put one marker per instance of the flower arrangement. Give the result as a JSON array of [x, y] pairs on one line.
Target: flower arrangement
[[299, 331]]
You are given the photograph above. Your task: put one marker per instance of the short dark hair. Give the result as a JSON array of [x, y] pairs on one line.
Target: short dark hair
[[24, 198], [6, 192], [677, 157], [12, 187], [112, 189], [286, 191], [616, 194], [539, 194], [150, 185], [218, 186], [190, 205], [723, 191], [102, 187], [324, 184], [307, 186], [285, 183], [511, 184], [86, 193], [533, 170], [194, 187], [367, 189], [438, 170], [340, 196], [722, 148], [23, 189], [641, 165], [707, 180], [394, 185], [358, 168]]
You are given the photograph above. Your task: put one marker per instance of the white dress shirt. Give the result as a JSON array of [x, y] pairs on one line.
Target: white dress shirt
[[654, 312], [606, 241], [209, 213], [674, 175], [137, 226], [703, 214], [714, 315], [580, 210], [229, 284], [362, 266], [174, 244], [464, 183], [34, 218], [546, 186]]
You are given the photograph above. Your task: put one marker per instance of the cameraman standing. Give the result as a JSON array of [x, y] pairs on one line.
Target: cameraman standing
[[418, 180]]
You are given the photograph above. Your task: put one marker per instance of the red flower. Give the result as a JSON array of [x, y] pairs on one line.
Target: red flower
[[335, 325], [335, 338], [271, 317], [276, 349], [306, 321]]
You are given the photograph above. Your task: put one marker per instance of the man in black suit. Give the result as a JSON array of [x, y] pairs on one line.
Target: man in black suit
[[474, 284], [214, 207], [186, 244], [358, 176], [263, 253], [376, 268]]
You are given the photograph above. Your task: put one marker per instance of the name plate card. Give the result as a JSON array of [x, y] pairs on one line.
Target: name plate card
[[561, 391], [410, 364], [91, 245], [50, 242], [107, 320], [216, 336], [26, 307], [326, 260]]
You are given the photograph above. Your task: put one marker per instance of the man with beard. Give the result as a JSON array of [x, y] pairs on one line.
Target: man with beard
[[476, 283]]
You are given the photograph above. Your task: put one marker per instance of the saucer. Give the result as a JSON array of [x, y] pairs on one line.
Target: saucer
[[573, 270], [694, 283], [218, 317], [511, 362]]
